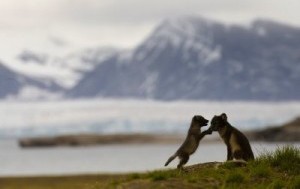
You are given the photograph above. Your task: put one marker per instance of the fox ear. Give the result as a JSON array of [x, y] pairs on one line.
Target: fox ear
[[194, 118], [224, 116]]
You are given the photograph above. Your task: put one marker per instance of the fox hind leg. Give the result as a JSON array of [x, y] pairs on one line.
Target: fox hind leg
[[183, 160]]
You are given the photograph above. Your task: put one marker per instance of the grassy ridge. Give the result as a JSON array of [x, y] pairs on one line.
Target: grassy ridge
[[280, 169]]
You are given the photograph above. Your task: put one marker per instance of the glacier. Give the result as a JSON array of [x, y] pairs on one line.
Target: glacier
[[102, 116]]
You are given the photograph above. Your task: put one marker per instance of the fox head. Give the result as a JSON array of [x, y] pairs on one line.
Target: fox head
[[218, 122]]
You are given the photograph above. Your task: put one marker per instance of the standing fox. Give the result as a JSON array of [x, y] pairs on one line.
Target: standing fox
[[238, 146], [191, 142]]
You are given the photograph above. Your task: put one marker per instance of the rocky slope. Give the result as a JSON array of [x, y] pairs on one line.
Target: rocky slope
[[288, 132]]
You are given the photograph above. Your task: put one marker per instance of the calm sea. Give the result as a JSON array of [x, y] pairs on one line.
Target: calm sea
[[15, 161]]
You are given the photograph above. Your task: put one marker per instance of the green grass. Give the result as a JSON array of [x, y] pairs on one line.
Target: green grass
[[276, 184], [286, 159], [295, 184], [235, 178], [260, 170], [279, 169]]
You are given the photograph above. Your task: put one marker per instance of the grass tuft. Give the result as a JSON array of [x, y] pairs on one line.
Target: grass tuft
[[134, 176], [235, 178], [286, 159], [229, 165], [276, 184], [296, 183], [162, 175], [261, 170]]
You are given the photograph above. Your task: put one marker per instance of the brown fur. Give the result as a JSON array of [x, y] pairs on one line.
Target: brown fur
[[238, 146], [191, 142]]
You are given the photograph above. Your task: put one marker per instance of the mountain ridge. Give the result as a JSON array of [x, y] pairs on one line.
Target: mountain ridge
[[211, 61], [14, 84], [184, 58]]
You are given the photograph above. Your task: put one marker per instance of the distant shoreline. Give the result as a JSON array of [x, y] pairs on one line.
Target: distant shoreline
[[120, 139], [98, 139], [289, 132]]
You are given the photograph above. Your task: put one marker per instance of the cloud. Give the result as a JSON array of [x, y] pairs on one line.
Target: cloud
[[121, 22], [110, 12], [137, 11]]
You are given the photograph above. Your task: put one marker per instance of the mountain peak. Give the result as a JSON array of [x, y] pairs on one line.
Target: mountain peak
[[191, 21], [196, 58], [194, 36], [184, 26], [272, 24]]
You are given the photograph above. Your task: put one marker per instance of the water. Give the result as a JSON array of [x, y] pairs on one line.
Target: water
[[19, 119], [15, 161]]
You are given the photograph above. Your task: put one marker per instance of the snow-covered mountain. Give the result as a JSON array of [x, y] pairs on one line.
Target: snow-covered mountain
[[35, 75], [16, 85], [65, 70], [195, 58], [183, 58]]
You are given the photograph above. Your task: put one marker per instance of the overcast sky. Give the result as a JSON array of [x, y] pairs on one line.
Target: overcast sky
[[38, 24]]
